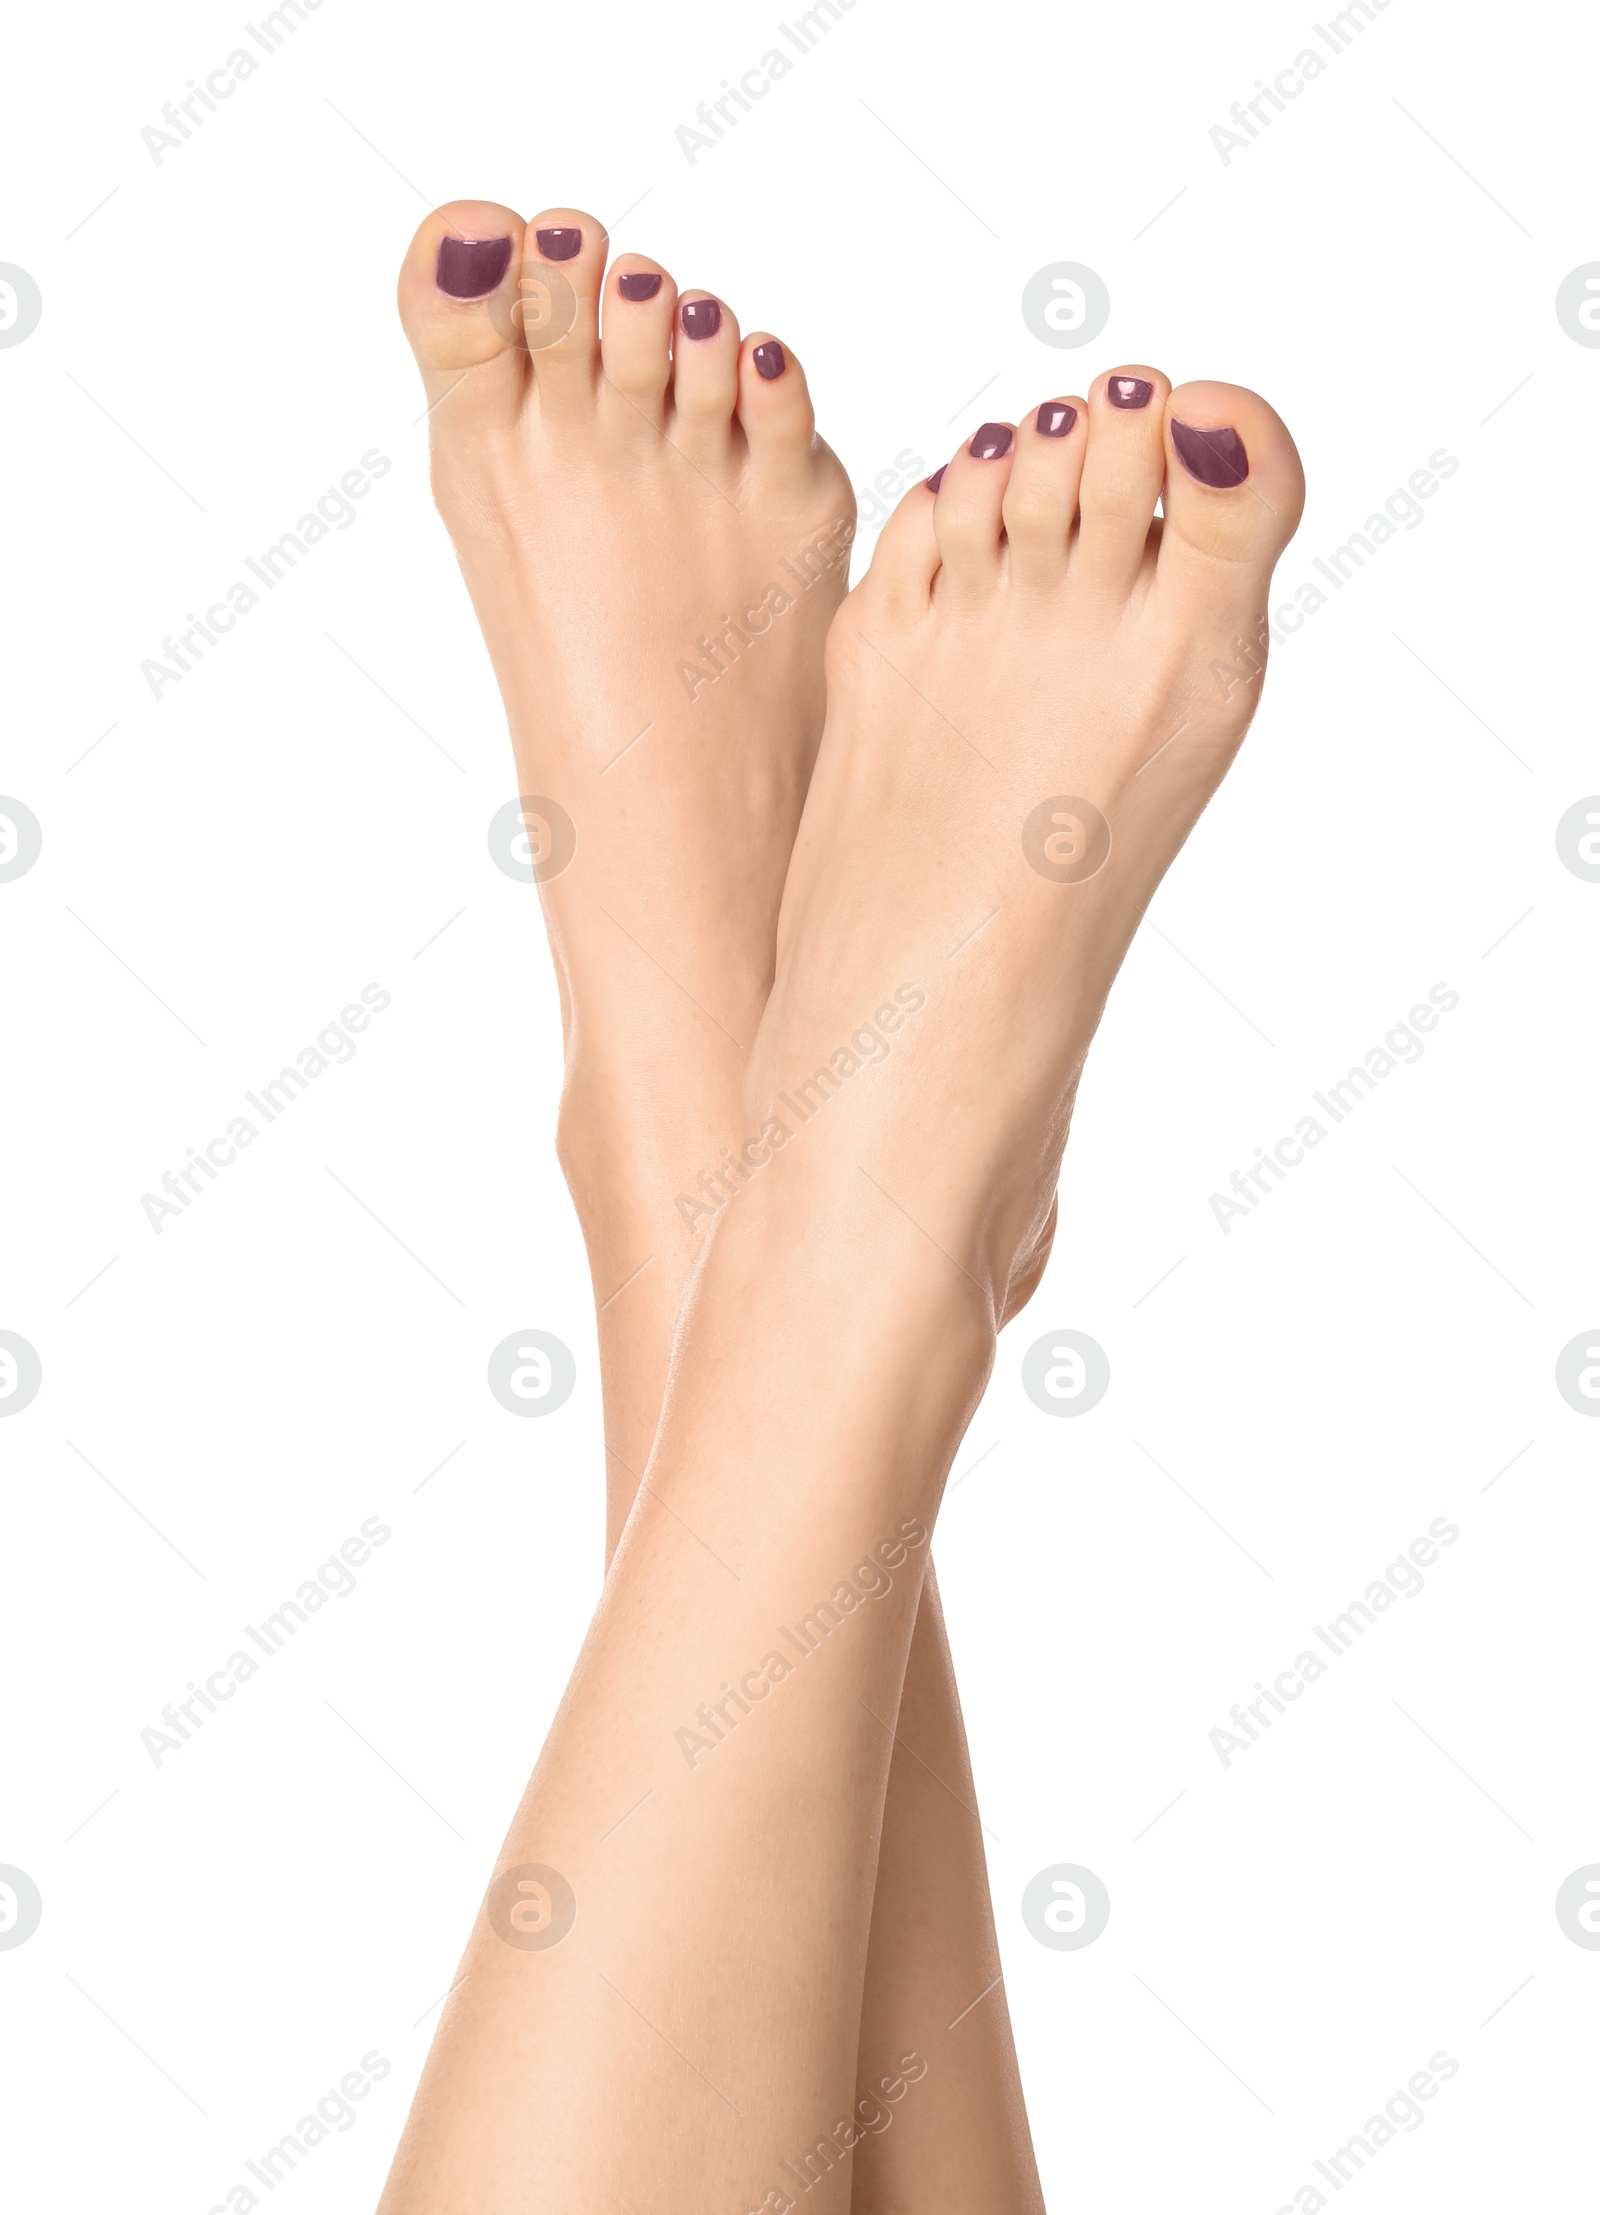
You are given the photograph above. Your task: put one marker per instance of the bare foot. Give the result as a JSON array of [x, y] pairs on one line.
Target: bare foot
[[655, 541], [1031, 696], [653, 537]]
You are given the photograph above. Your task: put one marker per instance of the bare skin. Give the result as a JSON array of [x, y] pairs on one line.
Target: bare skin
[[613, 504], [1023, 635]]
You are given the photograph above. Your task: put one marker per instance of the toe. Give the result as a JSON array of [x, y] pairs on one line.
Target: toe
[[563, 267], [966, 514], [905, 560], [1041, 498], [775, 408], [1234, 488], [705, 373], [1122, 472], [636, 345], [457, 298]]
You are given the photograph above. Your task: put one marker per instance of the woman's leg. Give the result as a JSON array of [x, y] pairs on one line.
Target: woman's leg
[[701, 1833], [933, 1972], [831, 1351], [927, 2154], [680, 859]]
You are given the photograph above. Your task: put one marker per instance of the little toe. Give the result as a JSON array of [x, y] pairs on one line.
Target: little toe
[[905, 560], [775, 409], [1041, 498], [966, 514], [1121, 483]]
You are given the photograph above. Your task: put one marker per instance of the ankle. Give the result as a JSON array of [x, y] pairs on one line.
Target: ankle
[[856, 1374]]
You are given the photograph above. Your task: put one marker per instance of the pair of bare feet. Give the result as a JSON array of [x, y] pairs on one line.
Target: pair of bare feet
[[852, 878]]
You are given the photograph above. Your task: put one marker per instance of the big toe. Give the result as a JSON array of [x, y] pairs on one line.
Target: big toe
[[1234, 486], [457, 294]]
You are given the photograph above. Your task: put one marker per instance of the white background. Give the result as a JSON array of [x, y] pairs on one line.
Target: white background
[[225, 1936]]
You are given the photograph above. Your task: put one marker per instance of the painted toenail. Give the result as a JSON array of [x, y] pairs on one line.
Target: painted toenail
[[1215, 457], [560, 242], [1055, 419], [937, 479], [1129, 392], [990, 441], [470, 267], [700, 318], [770, 359], [640, 284]]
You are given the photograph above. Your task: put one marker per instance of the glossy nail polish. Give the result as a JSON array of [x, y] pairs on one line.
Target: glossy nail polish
[[937, 479], [1216, 457], [640, 284], [770, 359], [560, 242], [700, 318], [990, 441], [1055, 419], [468, 268], [1129, 392]]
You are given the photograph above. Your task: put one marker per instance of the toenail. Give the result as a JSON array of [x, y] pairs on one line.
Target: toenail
[[640, 284], [937, 479], [1215, 457], [560, 242], [1055, 419], [700, 318], [770, 359], [470, 267], [1129, 392], [990, 441]]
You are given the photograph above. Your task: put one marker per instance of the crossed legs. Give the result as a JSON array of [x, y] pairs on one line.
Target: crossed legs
[[757, 1786]]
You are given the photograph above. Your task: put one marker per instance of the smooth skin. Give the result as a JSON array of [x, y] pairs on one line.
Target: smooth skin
[[1027, 631], [610, 497]]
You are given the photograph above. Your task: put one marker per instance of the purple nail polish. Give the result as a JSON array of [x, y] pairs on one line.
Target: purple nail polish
[[1055, 419], [990, 441], [1215, 457], [700, 318], [1129, 392], [937, 479], [470, 267], [560, 242], [640, 284], [770, 359]]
